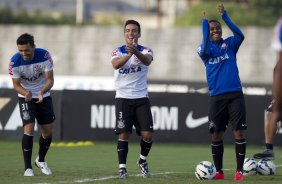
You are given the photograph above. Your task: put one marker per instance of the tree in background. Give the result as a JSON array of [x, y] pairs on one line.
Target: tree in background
[[244, 12]]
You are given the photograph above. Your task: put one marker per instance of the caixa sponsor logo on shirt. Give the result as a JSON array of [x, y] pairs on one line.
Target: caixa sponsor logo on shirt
[[165, 118], [130, 70], [216, 60]]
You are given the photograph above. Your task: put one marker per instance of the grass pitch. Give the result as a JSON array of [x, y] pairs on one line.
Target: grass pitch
[[169, 163]]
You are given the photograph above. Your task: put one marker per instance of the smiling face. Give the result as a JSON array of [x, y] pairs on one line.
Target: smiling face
[[131, 34], [26, 51], [215, 31]]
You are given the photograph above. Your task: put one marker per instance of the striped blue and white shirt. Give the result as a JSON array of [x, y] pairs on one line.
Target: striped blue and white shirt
[[131, 78], [31, 73]]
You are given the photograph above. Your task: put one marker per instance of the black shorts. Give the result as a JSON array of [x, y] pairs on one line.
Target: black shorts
[[43, 112], [227, 108], [135, 112]]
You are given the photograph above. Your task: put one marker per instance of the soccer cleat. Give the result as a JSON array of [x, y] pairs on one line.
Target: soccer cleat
[[122, 173], [238, 176], [43, 166], [144, 169], [28, 172], [218, 176], [265, 154]]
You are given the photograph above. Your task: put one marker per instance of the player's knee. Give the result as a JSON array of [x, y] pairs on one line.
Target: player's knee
[[46, 133], [267, 115], [217, 136], [29, 128], [123, 136], [147, 137], [239, 134]]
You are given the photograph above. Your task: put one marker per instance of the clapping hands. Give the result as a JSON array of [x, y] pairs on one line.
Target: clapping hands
[[131, 48]]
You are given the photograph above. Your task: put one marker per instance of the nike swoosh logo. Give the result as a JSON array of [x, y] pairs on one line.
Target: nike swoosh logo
[[193, 123]]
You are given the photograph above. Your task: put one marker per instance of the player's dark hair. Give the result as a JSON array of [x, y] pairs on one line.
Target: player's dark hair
[[213, 20], [25, 39], [133, 22]]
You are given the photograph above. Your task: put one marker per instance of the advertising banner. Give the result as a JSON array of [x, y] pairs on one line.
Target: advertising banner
[[90, 115], [178, 117], [11, 126]]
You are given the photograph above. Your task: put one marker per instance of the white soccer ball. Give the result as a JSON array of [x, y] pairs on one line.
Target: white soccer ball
[[249, 167], [266, 167], [205, 170]]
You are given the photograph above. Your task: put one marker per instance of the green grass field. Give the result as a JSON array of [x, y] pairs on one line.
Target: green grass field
[[169, 163]]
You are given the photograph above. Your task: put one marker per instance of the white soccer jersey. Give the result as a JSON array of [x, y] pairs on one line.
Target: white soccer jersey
[[32, 72], [131, 78]]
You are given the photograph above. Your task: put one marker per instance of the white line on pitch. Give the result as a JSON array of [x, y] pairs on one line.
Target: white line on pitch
[[105, 178], [115, 177]]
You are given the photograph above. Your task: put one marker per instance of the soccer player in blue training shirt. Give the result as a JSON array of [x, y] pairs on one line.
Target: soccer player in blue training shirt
[[31, 70], [227, 104], [274, 110], [131, 63]]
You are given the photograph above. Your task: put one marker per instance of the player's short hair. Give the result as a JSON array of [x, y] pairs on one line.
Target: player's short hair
[[213, 20], [133, 22], [25, 39]]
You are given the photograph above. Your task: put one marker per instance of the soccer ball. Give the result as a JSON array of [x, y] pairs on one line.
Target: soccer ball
[[205, 170], [249, 167], [266, 167]]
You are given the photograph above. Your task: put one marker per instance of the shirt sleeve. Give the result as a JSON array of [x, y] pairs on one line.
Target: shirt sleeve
[[48, 63], [203, 49], [13, 71], [115, 54], [238, 37], [148, 51]]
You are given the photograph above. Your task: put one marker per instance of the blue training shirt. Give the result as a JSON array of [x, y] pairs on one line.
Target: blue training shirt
[[220, 59]]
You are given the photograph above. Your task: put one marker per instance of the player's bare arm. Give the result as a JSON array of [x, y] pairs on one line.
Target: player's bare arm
[[21, 90], [48, 85], [144, 58], [119, 62]]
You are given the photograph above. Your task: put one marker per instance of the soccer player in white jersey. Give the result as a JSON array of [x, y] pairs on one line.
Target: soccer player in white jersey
[[131, 62], [31, 70]]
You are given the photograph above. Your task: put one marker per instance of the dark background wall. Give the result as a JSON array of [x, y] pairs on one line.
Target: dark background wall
[[90, 115]]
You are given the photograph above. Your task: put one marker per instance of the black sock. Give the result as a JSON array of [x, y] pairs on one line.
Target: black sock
[[27, 144], [217, 154], [240, 149], [145, 149], [122, 149], [269, 146], [44, 145]]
